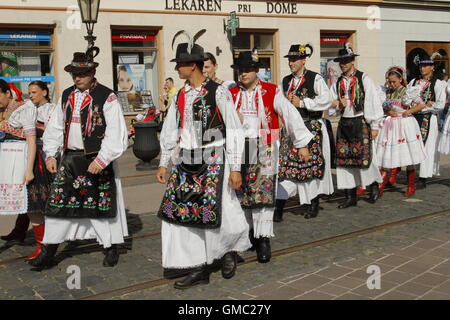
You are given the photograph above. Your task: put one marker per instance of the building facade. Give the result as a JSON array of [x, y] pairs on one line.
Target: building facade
[[38, 37]]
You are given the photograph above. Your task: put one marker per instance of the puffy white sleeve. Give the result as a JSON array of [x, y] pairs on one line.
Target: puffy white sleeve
[[169, 134], [235, 138], [440, 89], [25, 117], [373, 110], [323, 99], [115, 141], [53, 137], [292, 120]]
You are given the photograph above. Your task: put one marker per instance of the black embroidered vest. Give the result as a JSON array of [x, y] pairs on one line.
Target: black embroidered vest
[[206, 113], [358, 106], [428, 95], [305, 90], [93, 124]]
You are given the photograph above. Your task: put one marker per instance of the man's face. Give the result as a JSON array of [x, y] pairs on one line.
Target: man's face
[[185, 69], [83, 80], [426, 69], [209, 69], [296, 64], [248, 76], [5, 98], [168, 84], [347, 65]]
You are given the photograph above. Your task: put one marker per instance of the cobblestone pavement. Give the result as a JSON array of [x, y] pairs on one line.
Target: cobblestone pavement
[[295, 275]]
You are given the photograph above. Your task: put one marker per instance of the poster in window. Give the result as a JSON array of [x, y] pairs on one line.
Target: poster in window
[[330, 71], [135, 101], [131, 77]]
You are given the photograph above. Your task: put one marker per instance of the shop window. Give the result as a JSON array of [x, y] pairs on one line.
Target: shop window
[[264, 42], [330, 44], [135, 68], [27, 56]]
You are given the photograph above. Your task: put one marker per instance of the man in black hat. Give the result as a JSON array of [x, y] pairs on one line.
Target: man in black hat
[[85, 200], [261, 104], [433, 96], [203, 224], [357, 101], [308, 92]]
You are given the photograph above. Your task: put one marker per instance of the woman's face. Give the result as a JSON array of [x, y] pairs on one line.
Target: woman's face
[[125, 83], [37, 95], [5, 99], [394, 82]]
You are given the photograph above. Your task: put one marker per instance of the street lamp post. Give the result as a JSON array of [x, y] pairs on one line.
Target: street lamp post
[[89, 13]]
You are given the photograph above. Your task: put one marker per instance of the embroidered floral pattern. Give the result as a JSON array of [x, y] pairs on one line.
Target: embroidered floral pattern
[[194, 199], [292, 167], [424, 124]]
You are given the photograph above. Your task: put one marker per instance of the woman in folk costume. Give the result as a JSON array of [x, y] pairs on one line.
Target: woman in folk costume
[[203, 224], [19, 187], [399, 143], [432, 101], [308, 92], [444, 143], [86, 199], [357, 100], [261, 104]]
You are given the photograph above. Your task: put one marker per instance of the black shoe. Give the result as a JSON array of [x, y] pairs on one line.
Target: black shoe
[[253, 241], [229, 264], [45, 258], [196, 277], [240, 259], [350, 200], [263, 252], [313, 209], [111, 256], [422, 183], [278, 214], [374, 192], [20, 229]]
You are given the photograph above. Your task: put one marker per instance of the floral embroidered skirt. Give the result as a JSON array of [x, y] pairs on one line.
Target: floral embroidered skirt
[[75, 193], [353, 143], [258, 185], [292, 167], [193, 196], [423, 119], [39, 188]]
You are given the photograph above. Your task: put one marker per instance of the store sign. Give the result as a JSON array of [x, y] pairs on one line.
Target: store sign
[[29, 79], [333, 40], [133, 37], [29, 36], [194, 5]]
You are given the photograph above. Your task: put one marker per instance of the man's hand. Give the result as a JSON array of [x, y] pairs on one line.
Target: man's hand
[[161, 175], [295, 100], [51, 165], [374, 134], [342, 103], [94, 168], [406, 113], [235, 180], [304, 154], [429, 103], [29, 176]]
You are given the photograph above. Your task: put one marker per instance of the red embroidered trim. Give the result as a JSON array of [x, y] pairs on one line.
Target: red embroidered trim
[[100, 163], [76, 119], [112, 97], [29, 132], [48, 159]]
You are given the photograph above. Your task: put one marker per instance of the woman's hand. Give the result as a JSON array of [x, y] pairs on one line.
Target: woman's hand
[[235, 180], [29, 176]]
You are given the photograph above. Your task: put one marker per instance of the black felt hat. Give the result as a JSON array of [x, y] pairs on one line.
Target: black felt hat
[[189, 51], [247, 59], [300, 51], [345, 53], [81, 62], [426, 60]]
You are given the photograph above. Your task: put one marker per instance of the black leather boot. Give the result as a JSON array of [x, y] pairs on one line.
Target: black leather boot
[[197, 276], [350, 200], [253, 241], [45, 258], [374, 192], [279, 207], [20, 229], [422, 183], [229, 265], [111, 256], [313, 209], [263, 251]]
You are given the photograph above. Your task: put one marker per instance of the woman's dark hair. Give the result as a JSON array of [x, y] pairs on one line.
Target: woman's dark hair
[[43, 86], [211, 57], [4, 87]]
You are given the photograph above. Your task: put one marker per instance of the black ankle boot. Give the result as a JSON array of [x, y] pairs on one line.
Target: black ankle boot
[[350, 200], [422, 183], [111, 256], [313, 209], [263, 252], [20, 229], [229, 265], [45, 258], [253, 241], [374, 192], [279, 207], [197, 276]]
